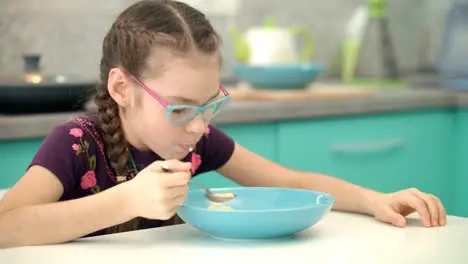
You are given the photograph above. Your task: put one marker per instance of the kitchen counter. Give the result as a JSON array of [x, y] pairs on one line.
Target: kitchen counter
[[37, 126], [338, 238]]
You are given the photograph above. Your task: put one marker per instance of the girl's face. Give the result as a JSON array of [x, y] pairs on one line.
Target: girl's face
[[190, 81]]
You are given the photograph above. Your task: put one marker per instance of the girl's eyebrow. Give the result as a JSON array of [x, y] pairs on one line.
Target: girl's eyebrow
[[191, 101]]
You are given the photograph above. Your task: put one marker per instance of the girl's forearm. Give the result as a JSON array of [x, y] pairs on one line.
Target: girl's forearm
[[349, 197], [63, 221]]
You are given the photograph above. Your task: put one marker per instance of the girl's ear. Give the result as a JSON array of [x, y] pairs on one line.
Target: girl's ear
[[119, 87]]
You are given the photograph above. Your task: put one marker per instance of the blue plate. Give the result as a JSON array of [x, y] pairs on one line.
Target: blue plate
[[257, 212], [293, 76]]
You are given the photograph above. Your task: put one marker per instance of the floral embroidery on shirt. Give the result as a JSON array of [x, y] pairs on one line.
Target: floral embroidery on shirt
[[196, 162], [76, 147], [88, 180], [76, 132], [196, 158], [87, 125]]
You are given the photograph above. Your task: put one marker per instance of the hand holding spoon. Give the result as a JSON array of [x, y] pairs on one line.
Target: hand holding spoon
[[217, 198]]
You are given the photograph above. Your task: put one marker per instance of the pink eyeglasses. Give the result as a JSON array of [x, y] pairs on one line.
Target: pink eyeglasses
[[182, 114]]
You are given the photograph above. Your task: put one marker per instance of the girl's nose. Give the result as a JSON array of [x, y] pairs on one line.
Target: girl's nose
[[196, 125]]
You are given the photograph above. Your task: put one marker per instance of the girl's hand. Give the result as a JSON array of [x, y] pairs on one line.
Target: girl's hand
[[393, 208], [156, 194]]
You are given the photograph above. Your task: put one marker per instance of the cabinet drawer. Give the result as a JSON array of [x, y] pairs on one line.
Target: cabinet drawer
[[382, 152]]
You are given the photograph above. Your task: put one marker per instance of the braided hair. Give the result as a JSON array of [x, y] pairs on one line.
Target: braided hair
[[145, 26]]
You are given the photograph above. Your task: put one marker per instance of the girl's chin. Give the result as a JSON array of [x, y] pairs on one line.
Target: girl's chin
[[181, 155], [178, 155]]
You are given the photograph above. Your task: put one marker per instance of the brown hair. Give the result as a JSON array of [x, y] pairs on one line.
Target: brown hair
[[138, 31]]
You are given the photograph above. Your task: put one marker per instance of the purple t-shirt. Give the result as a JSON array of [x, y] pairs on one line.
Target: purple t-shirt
[[74, 152]]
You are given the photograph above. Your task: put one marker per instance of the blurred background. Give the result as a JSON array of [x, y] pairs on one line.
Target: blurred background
[[372, 91], [68, 34]]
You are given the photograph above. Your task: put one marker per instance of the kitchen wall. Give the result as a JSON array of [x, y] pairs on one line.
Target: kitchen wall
[[68, 33]]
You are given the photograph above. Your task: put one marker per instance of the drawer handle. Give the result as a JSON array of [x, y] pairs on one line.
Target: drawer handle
[[368, 146]]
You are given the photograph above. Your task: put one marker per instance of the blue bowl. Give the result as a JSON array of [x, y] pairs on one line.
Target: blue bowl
[[257, 212], [294, 76]]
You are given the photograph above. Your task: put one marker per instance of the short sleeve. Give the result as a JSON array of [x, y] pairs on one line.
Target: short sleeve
[[65, 153], [216, 148]]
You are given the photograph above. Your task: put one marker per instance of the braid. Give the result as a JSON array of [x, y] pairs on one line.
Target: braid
[[114, 142], [112, 133]]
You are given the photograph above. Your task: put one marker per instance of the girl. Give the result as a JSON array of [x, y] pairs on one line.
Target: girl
[[158, 91]]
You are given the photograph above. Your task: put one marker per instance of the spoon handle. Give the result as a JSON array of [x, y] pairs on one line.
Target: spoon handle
[[201, 186], [167, 169]]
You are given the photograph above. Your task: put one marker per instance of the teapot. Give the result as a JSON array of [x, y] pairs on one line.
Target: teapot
[[272, 45]]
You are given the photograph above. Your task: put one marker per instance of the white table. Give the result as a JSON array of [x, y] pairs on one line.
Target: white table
[[2, 193], [338, 238]]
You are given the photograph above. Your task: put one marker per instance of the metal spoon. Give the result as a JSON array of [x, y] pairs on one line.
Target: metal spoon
[[217, 198]]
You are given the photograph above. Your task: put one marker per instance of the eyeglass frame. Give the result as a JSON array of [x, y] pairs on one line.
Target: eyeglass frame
[[170, 108]]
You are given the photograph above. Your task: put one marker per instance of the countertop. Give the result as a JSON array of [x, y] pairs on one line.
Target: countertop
[[39, 125], [338, 238]]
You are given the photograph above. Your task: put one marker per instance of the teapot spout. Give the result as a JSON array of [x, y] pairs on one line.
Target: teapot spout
[[241, 48]]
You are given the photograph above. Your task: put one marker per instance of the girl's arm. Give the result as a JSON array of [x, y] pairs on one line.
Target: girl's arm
[[31, 215], [250, 169]]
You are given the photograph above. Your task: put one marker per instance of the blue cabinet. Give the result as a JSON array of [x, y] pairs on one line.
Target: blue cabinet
[[459, 185], [259, 138], [382, 152], [15, 156]]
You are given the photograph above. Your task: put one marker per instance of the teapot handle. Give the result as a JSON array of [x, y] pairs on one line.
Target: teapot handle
[[308, 50]]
